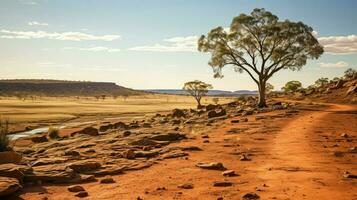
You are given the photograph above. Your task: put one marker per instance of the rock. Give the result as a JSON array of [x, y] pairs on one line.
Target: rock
[[235, 121], [39, 139], [204, 136], [205, 141], [244, 157], [244, 119], [104, 128], [81, 194], [50, 173], [174, 154], [128, 154], [126, 133], [349, 175], [345, 135], [14, 171], [145, 154], [75, 188], [222, 183], [178, 113], [10, 157], [213, 113], [191, 148], [229, 173], [210, 107], [147, 142], [212, 165], [84, 165], [247, 112], [251, 196], [353, 149], [186, 186], [87, 131], [168, 137], [176, 122], [107, 180], [120, 125], [48, 161], [71, 153], [338, 154], [8, 186], [147, 125]]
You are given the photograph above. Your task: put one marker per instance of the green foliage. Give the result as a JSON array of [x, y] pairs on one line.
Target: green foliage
[[260, 45], [292, 86], [4, 130], [197, 89], [321, 82], [53, 132], [350, 74]]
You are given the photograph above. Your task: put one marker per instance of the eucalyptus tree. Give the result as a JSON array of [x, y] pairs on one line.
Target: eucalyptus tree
[[197, 89], [261, 45]]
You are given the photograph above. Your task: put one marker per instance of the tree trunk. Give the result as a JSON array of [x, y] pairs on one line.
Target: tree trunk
[[199, 106], [262, 100]]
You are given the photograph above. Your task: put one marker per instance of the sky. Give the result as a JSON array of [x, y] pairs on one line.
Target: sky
[[151, 44]]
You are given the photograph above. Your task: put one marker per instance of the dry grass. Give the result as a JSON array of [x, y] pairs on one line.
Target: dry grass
[[4, 130], [52, 133], [48, 110]]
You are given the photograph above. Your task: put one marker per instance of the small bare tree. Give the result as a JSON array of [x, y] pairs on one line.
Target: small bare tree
[[197, 89]]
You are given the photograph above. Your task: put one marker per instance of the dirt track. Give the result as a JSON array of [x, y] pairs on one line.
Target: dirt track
[[291, 158]]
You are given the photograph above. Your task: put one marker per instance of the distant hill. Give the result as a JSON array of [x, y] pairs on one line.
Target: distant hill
[[62, 88], [210, 92]]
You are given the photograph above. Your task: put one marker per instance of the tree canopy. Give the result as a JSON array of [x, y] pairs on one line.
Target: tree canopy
[[197, 89], [260, 45], [292, 86]]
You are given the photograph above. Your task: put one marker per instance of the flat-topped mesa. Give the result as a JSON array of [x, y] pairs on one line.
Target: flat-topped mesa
[[62, 88]]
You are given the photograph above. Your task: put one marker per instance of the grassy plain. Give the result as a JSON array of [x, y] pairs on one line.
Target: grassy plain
[[46, 111]]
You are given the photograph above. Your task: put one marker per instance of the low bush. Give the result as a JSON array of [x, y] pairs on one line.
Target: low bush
[[4, 140], [53, 132]]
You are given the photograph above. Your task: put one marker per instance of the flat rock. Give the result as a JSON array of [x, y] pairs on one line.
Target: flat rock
[[168, 137], [8, 186], [222, 183], [14, 171], [84, 165], [212, 166], [107, 180], [251, 196], [50, 173], [75, 188], [186, 186], [229, 173], [81, 194], [174, 154], [10, 157]]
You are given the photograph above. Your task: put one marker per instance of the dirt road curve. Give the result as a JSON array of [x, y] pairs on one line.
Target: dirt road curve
[[303, 156]]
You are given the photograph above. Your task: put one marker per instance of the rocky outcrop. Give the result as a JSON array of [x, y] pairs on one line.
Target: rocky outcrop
[[8, 186]]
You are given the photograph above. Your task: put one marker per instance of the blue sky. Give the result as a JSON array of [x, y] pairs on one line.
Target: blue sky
[[147, 44]]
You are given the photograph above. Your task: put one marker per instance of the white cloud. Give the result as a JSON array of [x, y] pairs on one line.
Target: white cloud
[[95, 49], [35, 23], [175, 44], [339, 64], [339, 44], [71, 36]]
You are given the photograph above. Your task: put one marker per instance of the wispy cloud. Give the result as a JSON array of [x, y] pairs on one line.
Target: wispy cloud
[[339, 44], [71, 36], [175, 44], [339, 64], [35, 23], [95, 49]]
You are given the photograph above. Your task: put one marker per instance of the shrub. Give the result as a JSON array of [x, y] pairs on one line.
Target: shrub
[[53, 132], [215, 100], [4, 140]]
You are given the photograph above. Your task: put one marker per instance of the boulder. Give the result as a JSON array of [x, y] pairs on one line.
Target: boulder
[[81, 194], [104, 128], [8, 186], [75, 188], [84, 165], [107, 180], [213, 113], [14, 171], [178, 113], [50, 173], [39, 139], [87, 131], [251, 196], [10, 157], [212, 166], [168, 137], [210, 107], [222, 183]]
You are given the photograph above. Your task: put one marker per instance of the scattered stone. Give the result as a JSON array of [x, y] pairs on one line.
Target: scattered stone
[[191, 148], [244, 157], [126, 133], [222, 183], [345, 135], [235, 121], [107, 180], [81, 194], [9, 186], [229, 173], [178, 113], [205, 136], [168, 137], [75, 188], [71, 153], [87, 131], [174, 154], [213, 113], [251, 196], [338, 154], [353, 150], [244, 119], [212, 165], [186, 186], [205, 141], [347, 174]]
